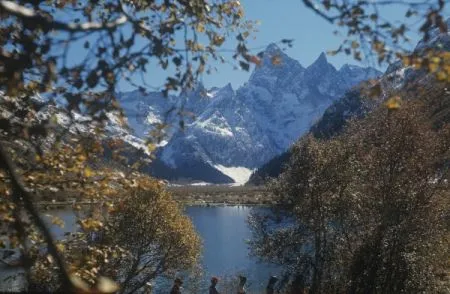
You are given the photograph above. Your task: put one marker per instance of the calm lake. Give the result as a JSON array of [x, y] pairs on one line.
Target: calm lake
[[224, 231]]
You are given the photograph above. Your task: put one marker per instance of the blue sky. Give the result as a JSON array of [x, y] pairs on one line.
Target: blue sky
[[283, 19], [279, 19]]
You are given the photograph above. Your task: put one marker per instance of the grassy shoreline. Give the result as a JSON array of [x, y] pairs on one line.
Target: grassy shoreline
[[195, 196], [222, 195]]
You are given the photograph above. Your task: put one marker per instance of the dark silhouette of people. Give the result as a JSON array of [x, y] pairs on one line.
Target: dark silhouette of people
[[176, 289], [242, 281], [148, 288], [212, 288], [271, 286]]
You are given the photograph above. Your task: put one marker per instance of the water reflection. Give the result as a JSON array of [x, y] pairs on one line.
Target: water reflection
[[224, 230]]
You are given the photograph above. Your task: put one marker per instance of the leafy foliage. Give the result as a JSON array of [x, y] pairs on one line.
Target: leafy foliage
[[144, 236], [367, 211], [119, 37], [160, 237], [368, 31], [42, 158]]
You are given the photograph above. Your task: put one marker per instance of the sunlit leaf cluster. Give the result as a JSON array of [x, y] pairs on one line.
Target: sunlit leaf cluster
[[434, 61], [119, 40]]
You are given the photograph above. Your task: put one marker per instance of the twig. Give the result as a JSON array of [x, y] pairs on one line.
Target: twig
[[314, 8], [26, 13]]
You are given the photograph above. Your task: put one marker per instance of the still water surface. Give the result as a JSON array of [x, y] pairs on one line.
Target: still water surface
[[224, 231]]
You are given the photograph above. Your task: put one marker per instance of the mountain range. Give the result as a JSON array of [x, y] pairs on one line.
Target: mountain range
[[407, 81], [225, 135], [228, 133]]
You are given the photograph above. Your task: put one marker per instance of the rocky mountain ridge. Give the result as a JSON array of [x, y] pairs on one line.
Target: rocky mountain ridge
[[355, 104], [236, 131]]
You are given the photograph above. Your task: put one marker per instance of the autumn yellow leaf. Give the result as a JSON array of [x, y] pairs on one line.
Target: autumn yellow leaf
[[218, 40], [200, 27], [441, 76], [81, 158], [435, 59], [90, 224], [417, 63], [393, 102], [276, 60], [79, 284], [57, 221], [433, 67], [106, 285], [88, 172], [406, 60], [60, 247]]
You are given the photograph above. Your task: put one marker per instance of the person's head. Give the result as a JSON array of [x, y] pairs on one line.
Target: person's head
[[214, 280], [272, 280], [242, 280], [178, 282]]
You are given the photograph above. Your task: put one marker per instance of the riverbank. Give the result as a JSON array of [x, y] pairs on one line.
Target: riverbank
[[222, 195], [212, 195]]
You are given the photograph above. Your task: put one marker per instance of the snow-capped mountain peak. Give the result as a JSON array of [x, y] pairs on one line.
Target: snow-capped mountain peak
[[240, 130], [276, 67]]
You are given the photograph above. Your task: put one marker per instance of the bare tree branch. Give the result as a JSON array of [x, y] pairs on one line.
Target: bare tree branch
[[314, 8], [29, 14]]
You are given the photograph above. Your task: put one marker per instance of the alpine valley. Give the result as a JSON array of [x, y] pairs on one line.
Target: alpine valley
[[226, 134]]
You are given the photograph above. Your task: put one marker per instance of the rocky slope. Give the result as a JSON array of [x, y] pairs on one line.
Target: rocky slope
[[235, 132], [413, 84]]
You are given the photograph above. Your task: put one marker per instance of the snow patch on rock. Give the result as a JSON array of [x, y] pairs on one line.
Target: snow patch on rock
[[239, 174], [247, 127]]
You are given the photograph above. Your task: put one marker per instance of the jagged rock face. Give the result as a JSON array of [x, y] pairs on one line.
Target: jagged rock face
[[145, 111], [396, 77], [355, 104], [355, 74], [247, 127]]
